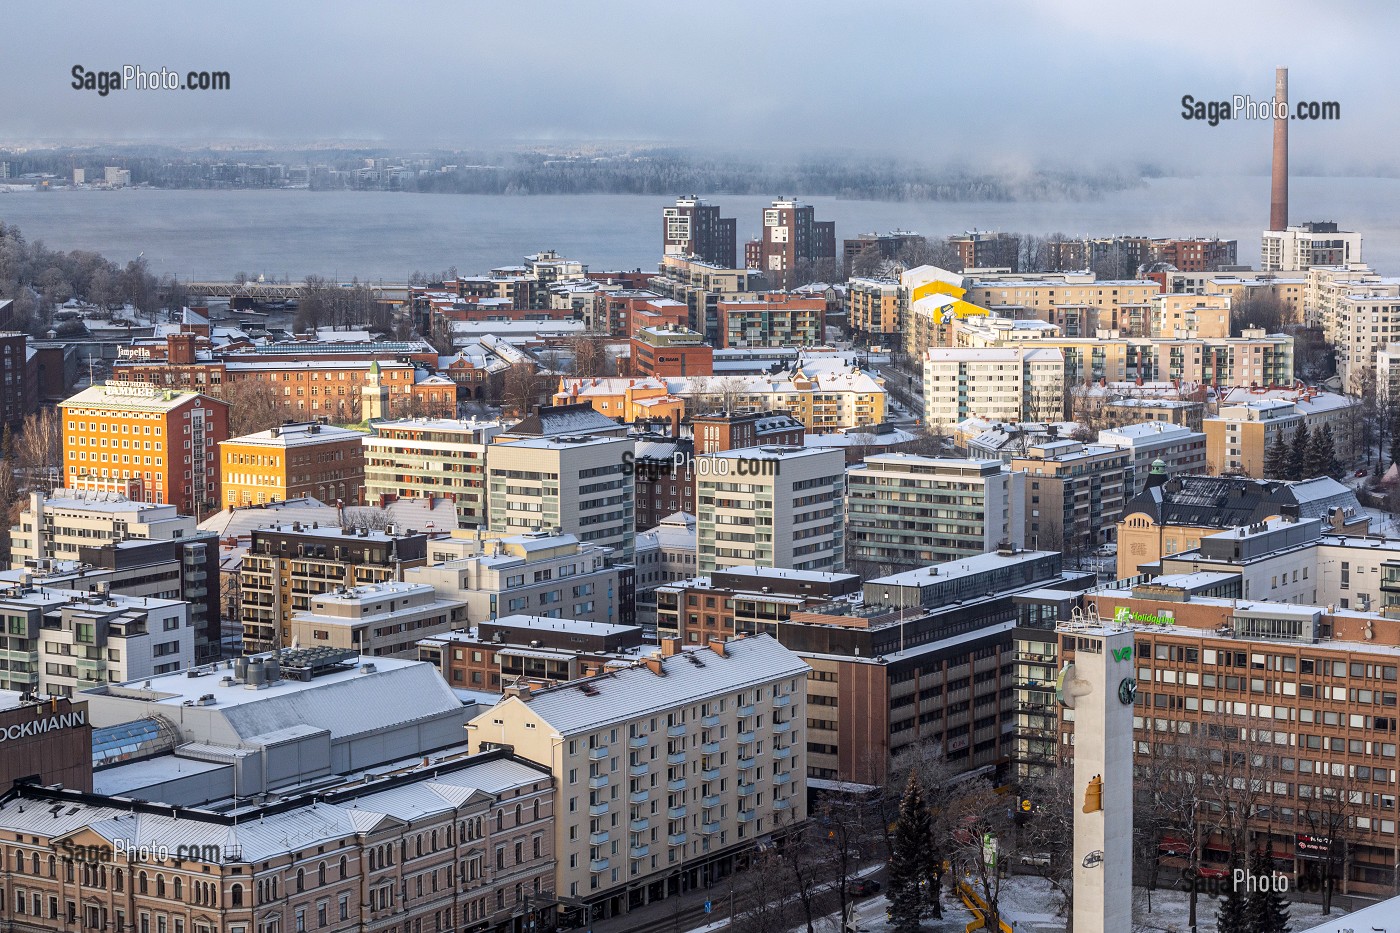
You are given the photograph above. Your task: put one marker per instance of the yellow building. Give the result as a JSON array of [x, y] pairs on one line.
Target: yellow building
[[1190, 316], [294, 460], [1238, 439]]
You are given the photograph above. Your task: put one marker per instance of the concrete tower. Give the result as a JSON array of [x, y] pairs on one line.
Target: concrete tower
[[1278, 202], [1101, 686]]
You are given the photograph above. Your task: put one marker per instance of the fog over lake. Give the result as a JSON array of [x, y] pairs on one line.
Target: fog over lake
[[385, 236]]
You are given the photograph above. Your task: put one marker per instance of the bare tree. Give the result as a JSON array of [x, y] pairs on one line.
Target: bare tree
[[39, 450], [254, 405], [1327, 809], [590, 357], [1048, 830], [524, 389], [758, 907], [978, 834]]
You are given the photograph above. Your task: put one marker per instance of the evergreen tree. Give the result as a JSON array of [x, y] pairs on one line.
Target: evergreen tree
[[911, 858], [1324, 451], [1394, 438], [1276, 459], [1267, 911], [1298, 453], [1232, 916]]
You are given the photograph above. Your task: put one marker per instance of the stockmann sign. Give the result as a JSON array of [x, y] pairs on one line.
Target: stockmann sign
[[1124, 615]]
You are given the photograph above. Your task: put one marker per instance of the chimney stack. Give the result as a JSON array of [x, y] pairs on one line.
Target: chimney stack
[[1278, 202]]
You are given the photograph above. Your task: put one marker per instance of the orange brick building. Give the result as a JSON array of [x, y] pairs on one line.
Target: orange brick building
[[671, 351], [148, 443], [295, 460]]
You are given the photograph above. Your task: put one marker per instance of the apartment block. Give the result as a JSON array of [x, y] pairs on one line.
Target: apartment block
[[996, 383], [791, 234], [61, 642], [771, 320], [377, 619], [1190, 316], [693, 228], [716, 431], [1358, 312], [1074, 492], [1239, 437], [904, 510], [771, 507], [292, 461], [887, 246], [573, 484], [430, 457], [289, 564], [149, 444], [987, 249], [665, 553], [537, 573], [875, 307], [1181, 451], [1304, 246], [667, 771], [102, 541], [741, 600], [700, 285]]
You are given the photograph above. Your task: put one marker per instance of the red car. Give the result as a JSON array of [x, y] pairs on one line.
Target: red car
[[862, 887], [1205, 871], [1359, 473]]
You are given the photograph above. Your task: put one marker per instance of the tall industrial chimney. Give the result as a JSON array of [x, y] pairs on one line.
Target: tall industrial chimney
[[1278, 202]]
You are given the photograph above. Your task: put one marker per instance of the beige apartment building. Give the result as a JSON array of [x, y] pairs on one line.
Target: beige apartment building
[[1358, 311], [1190, 316], [995, 383], [669, 772], [1244, 289], [424, 457], [874, 307], [378, 619], [1077, 304], [1074, 493], [1238, 439]]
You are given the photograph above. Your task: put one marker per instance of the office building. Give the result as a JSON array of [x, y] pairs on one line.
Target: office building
[[149, 444], [904, 510], [377, 619], [47, 741], [535, 650], [667, 771], [771, 507], [671, 351], [292, 461], [430, 457]]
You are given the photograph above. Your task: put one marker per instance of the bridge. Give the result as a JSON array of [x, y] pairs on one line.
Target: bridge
[[290, 291]]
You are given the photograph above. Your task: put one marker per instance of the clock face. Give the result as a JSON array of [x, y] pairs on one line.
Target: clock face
[[1127, 691]]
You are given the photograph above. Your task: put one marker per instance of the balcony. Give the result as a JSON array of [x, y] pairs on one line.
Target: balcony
[[638, 741], [599, 809], [675, 813], [598, 838], [747, 710], [747, 764], [710, 748], [781, 728], [709, 829], [639, 824], [747, 816], [746, 737], [710, 722], [782, 700], [639, 797], [711, 801], [597, 754], [676, 758], [781, 777], [639, 852], [676, 731], [676, 839], [598, 783], [784, 752], [676, 786], [598, 865], [746, 790], [782, 803], [710, 774], [637, 771]]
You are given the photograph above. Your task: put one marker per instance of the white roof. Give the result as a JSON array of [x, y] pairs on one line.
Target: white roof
[[297, 435], [135, 396], [630, 692]]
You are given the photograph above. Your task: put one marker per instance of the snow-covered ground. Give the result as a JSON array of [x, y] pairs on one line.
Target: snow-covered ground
[[1029, 904]]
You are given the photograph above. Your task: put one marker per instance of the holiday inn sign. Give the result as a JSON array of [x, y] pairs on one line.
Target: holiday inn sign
[[1124, 615]]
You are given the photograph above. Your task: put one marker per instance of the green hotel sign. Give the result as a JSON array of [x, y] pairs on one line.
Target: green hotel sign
[[1124, 615]]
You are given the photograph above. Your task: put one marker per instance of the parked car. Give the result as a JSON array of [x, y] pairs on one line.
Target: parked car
[[1359, 473], [1206, 871], [862, 887], [1036, 859]]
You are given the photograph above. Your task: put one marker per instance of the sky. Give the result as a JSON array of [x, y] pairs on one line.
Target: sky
[[993, 84]]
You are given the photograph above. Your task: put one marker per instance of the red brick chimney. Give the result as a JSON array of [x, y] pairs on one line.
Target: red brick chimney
[[1278, 200]]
